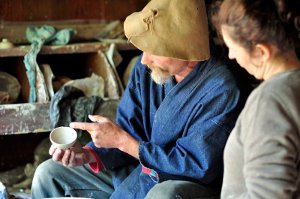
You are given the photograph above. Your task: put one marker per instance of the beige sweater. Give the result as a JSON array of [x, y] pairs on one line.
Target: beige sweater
[[263, 151]]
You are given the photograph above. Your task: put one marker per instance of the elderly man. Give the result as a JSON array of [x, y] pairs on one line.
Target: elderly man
[[172, 121]]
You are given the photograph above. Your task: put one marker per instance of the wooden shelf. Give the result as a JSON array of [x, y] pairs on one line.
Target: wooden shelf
[[66, 49], [26, 117]]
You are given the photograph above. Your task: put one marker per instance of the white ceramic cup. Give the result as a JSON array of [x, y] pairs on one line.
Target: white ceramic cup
[[63, 137]]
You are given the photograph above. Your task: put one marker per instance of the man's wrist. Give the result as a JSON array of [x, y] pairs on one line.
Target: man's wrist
[[94, 159], [129, 145], [90, 155]]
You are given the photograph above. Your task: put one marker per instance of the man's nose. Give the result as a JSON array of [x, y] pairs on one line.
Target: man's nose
[[146, 59], [230, 55]]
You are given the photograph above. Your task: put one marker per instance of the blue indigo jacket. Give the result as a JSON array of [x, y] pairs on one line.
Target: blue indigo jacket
[[181, 128]]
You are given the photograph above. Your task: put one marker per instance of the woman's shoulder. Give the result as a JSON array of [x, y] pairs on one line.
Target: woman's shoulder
[[283, 83], [282, 89]]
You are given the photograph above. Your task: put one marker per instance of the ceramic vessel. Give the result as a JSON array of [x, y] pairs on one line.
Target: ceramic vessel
[[5, 44], [63, 137]]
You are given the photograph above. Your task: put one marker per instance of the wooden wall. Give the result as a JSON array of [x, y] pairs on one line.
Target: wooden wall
[[44, 10]]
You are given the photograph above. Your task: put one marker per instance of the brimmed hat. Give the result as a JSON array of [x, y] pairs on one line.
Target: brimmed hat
[[170, 28]]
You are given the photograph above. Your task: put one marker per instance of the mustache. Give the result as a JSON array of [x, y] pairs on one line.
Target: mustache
[[159, 75], [157, 69]]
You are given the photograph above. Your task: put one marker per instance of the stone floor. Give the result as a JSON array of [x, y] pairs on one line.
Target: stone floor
[[18, 180]]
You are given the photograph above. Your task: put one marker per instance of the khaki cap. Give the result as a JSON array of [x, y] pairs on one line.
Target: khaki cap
[[170, 28]]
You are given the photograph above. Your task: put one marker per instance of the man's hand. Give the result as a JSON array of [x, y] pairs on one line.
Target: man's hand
[[106, 134], [74, 156]]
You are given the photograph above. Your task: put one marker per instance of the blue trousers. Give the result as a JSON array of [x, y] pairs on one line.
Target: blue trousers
[[176, 189], [54, 180]]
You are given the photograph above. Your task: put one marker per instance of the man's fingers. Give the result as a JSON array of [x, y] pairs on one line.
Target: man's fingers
[[52, 150], [66, 158], [57, 155], [72, 161], [82, 125], [97, 118], [88, 127]]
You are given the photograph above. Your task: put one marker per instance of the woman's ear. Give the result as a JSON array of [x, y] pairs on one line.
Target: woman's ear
[[262, 52]]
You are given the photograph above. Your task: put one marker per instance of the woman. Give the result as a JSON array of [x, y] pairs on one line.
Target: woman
[[262, 155]]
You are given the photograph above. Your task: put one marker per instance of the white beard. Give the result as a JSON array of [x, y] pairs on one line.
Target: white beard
[[159, 76]]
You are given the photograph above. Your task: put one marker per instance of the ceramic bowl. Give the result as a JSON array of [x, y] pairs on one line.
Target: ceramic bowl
[[63, 137]]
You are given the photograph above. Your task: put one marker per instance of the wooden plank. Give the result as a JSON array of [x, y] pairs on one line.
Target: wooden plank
[[86, 30], [35, 10], [24, 118], [66, 49]]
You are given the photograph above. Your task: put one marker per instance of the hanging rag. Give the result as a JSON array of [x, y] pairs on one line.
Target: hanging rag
[[38, 36], [69, 104]]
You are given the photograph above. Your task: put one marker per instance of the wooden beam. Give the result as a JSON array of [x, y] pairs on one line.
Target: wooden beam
[[65, 49], [86, 30], [35, 10], [24, 118]]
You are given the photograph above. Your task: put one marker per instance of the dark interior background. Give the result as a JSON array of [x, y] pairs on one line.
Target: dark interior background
[[18, 149]]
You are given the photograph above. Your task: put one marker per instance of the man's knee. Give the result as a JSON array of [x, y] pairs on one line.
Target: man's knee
[[45, 169], [164, 190], [181, 190], [40, 170]]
